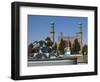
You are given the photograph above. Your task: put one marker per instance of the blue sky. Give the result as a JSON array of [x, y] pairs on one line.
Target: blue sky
[[39, 26]]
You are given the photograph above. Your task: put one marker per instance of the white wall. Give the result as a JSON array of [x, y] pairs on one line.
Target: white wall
[[5, 39]]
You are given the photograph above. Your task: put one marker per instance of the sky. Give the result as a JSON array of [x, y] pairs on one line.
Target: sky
[[39, 26]]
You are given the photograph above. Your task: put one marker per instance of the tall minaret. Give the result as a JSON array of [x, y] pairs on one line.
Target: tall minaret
[[52, 32], [79, 35]]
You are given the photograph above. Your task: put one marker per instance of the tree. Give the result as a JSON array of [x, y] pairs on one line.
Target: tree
[[48, 39], [76, 46], [48, 42], [85, 49], [54, 46], [41, 42], [61, 46]]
